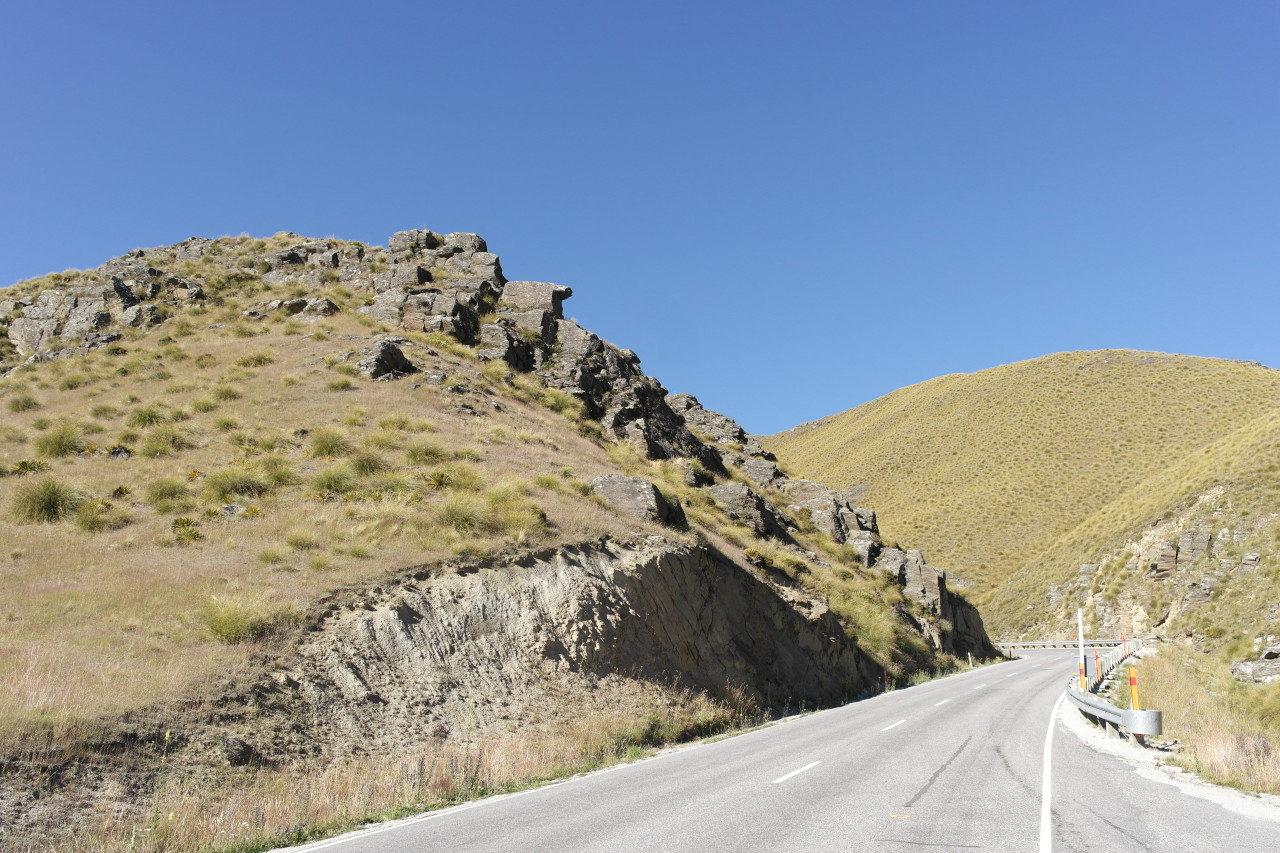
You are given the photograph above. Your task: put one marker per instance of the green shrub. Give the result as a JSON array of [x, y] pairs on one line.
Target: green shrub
[[64, 438], [186, 531], [225, 393], [22, 403], [204, 404], [343, 384], [45, 501], [30, 466]]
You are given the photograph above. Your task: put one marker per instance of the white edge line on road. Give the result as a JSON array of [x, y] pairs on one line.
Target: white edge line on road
[[1046, 783], [894, 725], [944, 701], [795, 772]]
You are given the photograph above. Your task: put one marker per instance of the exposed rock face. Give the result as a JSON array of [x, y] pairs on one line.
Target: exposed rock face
[[638, 498], [735, 446], [432, 655], [928, 586], [1264, 670], [831, 513]]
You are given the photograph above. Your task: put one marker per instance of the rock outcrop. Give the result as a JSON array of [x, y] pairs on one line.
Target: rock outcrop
[[1264, 670], [458, 655], [638, 498]]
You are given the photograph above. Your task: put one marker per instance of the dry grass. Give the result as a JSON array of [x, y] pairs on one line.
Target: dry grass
[[123, 617], [256, 809], [1027, 470], [1230, 731]]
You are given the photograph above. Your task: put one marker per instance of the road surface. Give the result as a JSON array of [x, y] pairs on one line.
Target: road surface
[[955, 764]]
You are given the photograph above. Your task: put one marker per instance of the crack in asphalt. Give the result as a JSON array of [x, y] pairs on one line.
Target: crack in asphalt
[[937, 773]]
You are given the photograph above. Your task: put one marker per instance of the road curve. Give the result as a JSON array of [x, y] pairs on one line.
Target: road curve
[[955, 764]]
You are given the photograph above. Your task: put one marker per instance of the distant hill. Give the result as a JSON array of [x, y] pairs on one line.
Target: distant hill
[[1061, 481]]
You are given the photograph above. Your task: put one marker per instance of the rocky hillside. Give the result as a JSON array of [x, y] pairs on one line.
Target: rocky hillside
[[279, 513]]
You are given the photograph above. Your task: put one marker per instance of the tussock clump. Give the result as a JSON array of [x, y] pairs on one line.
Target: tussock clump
[[235, 482], [146, 416], [45, 501], [335, 480], [168, 494], [367, 462], [423, 452], [235, 620], [328, 442], [22, 402], [165, 440], [64, 438]]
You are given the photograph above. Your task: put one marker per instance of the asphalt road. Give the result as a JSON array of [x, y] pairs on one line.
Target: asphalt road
[[955, 764]]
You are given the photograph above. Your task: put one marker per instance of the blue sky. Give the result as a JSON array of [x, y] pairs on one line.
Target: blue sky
[[785, 209]]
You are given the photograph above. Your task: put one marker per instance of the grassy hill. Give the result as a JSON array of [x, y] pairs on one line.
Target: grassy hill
[[1021, 473], [1141, 487]]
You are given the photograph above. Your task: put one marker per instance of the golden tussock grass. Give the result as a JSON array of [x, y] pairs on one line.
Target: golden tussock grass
[[1027, 470], [1230, 731]]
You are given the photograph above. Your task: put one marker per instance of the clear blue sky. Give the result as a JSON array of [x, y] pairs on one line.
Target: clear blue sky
[[785, 209]]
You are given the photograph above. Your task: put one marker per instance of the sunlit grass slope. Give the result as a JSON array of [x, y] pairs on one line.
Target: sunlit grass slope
[[1016, 474]]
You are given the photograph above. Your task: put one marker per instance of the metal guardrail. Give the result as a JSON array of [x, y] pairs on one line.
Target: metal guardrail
[[1061, 644], [1138, 723]]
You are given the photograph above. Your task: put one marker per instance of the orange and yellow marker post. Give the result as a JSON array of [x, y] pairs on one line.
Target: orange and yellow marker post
[[1133, 690]]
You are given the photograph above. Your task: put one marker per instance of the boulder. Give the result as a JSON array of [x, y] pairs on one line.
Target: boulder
[[638, 498], [465, 242], [762, 471], [742, 504], [403, 242], [385, 360]]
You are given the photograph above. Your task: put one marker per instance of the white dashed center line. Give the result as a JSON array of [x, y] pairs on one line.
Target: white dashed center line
[[795, 773], [980, 686], [886, 728], [943, 702]]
